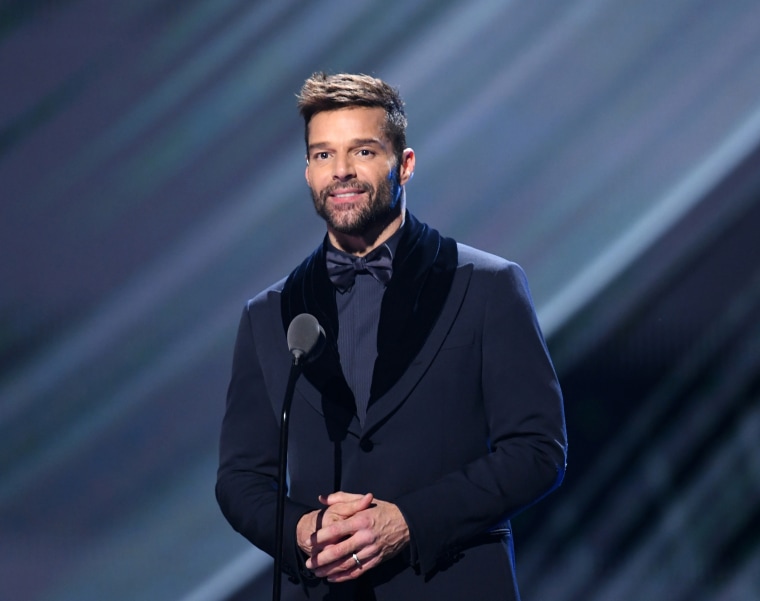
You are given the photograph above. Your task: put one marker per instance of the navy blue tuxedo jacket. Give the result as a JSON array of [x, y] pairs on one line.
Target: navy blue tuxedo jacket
[[465, 423]]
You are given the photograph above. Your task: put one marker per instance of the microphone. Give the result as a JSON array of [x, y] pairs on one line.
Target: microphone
[[306, 338]]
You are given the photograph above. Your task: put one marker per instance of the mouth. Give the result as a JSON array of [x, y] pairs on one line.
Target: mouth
[[346, 195]]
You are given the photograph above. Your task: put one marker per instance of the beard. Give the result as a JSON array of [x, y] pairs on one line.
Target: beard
[[357, 218]]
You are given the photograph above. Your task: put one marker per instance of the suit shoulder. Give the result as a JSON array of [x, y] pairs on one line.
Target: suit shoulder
[[484, 261], [497, 276], [267, 295]]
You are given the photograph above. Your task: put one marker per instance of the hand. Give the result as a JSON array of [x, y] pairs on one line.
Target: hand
[[341, 508], [374, 533]]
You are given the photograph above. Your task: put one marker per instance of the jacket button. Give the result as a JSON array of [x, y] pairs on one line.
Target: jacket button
[[366, 445]]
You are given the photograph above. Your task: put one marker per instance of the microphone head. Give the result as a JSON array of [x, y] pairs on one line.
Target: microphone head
[[306, 337]]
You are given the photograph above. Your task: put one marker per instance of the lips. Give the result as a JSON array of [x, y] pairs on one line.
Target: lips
[[346, 194]]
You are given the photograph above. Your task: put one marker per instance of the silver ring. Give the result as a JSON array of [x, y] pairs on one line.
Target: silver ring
[[356, 559]]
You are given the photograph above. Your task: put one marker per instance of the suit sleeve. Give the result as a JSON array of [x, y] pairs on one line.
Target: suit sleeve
[[246, 487], [526, 427]]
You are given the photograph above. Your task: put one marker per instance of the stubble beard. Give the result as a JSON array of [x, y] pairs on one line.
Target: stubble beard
[[357, 218]]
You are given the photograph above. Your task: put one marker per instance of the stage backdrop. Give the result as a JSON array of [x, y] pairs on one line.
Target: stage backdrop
[[151, 180]]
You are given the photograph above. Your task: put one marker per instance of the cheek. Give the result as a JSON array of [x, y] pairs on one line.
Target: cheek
[[375, 177], [314, 181]]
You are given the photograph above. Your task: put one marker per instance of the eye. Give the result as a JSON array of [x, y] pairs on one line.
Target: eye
[[366, 152], [321, 156]]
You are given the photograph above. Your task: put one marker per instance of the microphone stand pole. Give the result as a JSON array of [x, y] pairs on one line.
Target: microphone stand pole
[[295, 371]]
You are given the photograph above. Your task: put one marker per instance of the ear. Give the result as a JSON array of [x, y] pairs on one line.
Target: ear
[[406, 169], [306, 172]]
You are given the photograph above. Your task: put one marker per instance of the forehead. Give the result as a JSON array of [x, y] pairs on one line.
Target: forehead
[[347, 124]]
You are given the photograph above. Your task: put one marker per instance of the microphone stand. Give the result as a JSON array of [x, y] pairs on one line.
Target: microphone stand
[[295, 371]]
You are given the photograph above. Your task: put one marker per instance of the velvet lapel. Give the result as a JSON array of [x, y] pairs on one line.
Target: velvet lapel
[[386, 405], [308, 290], [423, 270]]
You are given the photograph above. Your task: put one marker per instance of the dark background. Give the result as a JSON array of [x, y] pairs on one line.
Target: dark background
[[151, 180]]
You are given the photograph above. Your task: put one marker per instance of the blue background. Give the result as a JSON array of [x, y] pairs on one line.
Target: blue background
[[151, 180]]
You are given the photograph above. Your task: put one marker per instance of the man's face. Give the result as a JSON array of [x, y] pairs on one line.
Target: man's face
[[352, 171]]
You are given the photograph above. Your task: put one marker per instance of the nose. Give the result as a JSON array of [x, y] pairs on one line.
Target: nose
[[343, 168]]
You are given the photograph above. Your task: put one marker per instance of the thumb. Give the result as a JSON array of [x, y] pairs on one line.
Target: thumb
[[356, 502]]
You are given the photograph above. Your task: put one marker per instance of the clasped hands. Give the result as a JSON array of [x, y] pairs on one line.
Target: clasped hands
[[350, 525]]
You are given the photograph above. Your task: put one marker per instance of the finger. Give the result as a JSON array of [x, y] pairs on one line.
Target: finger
[[345, 505], [343, 565], [333, 533], [345, 497], [341, 547], [338, 574], [348, 569]]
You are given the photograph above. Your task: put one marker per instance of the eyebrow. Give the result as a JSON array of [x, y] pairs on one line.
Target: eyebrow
[[354, 143]]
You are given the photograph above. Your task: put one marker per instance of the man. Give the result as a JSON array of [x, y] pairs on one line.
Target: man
[[432, 416]]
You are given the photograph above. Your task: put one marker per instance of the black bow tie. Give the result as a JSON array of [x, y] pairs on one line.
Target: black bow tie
[[342, 268]]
